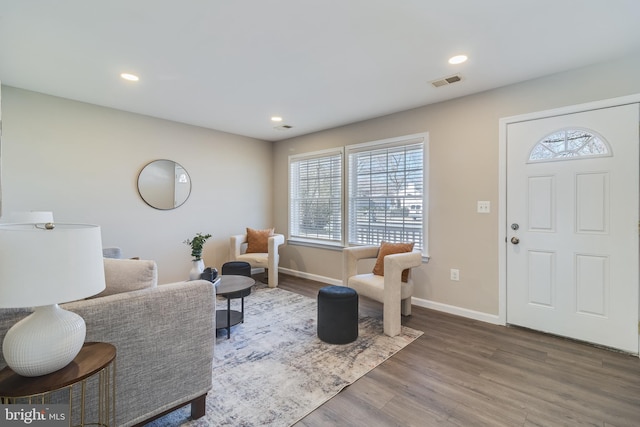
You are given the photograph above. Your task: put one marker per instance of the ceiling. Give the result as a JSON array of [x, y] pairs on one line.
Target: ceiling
[[232, 65]]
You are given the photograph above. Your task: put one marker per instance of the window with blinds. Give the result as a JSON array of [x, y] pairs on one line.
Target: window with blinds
[[384, 199], [386, 192], [315, 197]]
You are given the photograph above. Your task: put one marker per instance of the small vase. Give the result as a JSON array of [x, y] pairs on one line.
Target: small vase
[[197, 267]]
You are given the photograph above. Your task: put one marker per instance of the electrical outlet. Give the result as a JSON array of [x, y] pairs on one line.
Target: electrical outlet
[[484, 206], [455, 274]]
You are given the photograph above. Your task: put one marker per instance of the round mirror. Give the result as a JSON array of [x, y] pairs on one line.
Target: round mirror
[[164, 184]]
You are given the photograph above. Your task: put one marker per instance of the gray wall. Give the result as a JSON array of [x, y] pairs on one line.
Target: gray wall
[[82, 161], [464, 168]]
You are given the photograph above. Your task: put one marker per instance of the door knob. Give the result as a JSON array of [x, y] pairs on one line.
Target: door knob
[[515, 240]]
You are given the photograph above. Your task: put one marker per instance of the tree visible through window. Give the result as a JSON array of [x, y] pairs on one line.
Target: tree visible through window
[[568, 144], [386, 193]]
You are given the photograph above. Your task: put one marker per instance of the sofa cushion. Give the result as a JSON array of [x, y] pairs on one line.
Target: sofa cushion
[[258, 240], [124, 275], [387, 248]]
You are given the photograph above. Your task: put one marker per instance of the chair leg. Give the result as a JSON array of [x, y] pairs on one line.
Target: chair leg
[[406, 307], [199, 407], [272, 275], [391, 323]]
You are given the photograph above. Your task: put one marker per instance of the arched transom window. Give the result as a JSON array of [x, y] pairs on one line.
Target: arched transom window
[[569, 144]]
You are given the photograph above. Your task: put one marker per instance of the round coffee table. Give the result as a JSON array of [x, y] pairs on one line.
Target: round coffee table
[[232, 287]]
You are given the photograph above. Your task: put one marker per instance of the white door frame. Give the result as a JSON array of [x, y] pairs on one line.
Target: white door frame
[[502, 182]]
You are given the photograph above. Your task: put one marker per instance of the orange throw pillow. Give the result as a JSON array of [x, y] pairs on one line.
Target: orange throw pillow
[[390, 249], [258, 240]]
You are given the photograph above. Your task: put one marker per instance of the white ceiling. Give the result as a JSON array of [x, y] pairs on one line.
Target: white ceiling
[[231, 65]]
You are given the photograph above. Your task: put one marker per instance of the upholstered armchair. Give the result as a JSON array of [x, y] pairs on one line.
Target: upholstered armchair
[[389, 289], [268, 260]]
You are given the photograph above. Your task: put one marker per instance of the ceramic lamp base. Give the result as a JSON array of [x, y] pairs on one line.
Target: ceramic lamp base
[[45, 341]]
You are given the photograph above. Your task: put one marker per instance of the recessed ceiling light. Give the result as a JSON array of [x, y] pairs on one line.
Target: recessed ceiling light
[[130, 77], [276, 119], [458, 59]]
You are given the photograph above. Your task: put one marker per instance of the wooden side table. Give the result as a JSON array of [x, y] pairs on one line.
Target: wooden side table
[[94, 363]]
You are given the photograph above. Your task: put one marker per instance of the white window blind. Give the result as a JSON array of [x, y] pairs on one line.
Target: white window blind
[[315, 197], [386, 199]]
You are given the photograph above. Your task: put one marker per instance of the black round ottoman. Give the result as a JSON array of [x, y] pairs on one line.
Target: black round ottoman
[[337, 314], [238, 268]]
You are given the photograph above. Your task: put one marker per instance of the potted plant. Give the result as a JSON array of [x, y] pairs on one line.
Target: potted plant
[[196, 252]]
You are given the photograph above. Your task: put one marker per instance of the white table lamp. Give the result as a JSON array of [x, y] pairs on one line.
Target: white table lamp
[[29, 217], [42, 265]]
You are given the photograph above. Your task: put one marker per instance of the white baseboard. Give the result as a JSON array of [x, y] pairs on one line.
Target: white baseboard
[[451, 309], [317, 278], [458, 311]]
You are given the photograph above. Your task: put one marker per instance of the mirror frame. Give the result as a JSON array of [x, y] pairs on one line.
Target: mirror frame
[[154, 178]]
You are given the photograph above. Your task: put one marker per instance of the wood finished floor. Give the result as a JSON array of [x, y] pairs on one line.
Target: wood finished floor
[[463, 372]]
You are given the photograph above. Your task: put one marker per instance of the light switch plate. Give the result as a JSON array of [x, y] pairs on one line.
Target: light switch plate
[[484, 206]]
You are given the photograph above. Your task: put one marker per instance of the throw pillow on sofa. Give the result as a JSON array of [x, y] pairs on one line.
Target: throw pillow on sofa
[[124, 275]]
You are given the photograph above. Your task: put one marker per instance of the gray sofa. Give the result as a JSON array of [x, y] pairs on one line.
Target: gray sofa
[[164, 336]]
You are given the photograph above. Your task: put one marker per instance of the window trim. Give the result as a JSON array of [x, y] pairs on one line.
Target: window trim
[[308, 241], [399, 141], [422, 137]]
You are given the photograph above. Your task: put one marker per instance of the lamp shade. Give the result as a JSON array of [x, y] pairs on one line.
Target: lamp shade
[[30, 217], [41, 266]]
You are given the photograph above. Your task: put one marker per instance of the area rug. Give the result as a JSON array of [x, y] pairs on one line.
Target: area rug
[[274, 370]]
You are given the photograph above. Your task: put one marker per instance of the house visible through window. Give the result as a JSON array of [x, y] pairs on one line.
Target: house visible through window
[[386, 191], [384, 195]]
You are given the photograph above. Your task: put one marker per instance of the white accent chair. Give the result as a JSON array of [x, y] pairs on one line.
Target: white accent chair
[[269, 261], [389, 289]]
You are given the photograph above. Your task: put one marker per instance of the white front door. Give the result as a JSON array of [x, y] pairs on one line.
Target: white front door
[[572, 225]]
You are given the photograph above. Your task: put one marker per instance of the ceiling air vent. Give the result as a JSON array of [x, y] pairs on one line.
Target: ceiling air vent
[[283, 127], [446, 81]]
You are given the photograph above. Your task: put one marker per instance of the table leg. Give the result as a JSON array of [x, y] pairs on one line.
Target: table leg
[[228, 318]]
